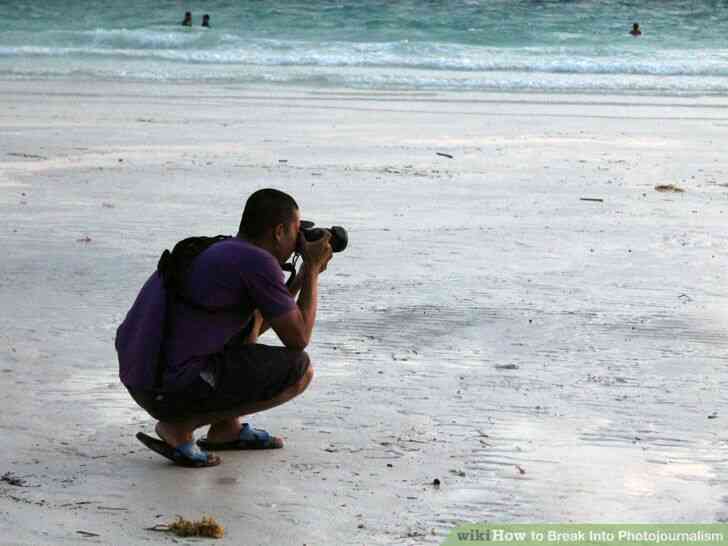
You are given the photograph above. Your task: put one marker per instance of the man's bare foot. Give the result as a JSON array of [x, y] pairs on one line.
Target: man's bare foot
[[246, 437], [173, 433], [227, 430]]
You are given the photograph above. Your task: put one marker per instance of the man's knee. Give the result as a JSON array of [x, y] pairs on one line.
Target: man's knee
[[307, 375]]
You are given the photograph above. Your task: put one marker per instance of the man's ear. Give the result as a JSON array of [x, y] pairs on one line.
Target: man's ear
[[279, 231]]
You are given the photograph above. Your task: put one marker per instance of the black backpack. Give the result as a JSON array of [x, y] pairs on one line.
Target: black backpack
[[173, 268], [141, 333]]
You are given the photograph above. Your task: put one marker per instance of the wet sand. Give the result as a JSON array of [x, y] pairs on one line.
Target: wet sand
[[548, 358]]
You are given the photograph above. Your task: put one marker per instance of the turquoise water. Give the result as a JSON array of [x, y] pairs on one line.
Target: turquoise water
[[469, 45]]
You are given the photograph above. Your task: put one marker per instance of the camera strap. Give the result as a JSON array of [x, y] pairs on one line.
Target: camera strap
[[291, 268]]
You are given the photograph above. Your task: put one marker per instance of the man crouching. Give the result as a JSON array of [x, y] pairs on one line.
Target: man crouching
[[187, 348]]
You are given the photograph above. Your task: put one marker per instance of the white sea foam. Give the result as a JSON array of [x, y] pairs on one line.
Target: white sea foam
[[406, 55], [372, 77]]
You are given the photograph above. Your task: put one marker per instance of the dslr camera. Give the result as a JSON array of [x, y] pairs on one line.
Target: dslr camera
[[339, 238]]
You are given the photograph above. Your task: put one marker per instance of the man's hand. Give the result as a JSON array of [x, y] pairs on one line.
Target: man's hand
[[316, 255], [295, 327]]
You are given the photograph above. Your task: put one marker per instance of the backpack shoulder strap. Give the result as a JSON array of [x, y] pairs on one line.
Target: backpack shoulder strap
[[172, 268]]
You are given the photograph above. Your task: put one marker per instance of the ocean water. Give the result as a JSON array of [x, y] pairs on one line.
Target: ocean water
[[580, 46]]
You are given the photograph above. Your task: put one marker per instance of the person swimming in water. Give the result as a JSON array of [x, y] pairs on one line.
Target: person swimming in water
[[206, 20], [187, 21], [635, 30]]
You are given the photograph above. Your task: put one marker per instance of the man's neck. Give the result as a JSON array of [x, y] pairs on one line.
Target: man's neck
[[265, 244]]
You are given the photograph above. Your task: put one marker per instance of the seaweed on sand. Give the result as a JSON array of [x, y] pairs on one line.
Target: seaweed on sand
[[205, 527]]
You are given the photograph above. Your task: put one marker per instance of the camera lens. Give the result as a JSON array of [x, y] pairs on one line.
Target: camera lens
[[339, 238]]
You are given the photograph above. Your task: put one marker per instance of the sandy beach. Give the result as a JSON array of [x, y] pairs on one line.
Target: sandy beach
[[520, 314]]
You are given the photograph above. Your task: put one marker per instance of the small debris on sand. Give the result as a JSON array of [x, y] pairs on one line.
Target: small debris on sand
[[669, 188], [78, 503], [12, 479], [85, 239], [506, 366], [436, 482], [88, 534], [593, 199], [520, 469], [445, 155], [206, 527], [27, 156]]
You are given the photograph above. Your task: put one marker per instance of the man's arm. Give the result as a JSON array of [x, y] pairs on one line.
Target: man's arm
[[297, 283], [260, 324], [295, 327]]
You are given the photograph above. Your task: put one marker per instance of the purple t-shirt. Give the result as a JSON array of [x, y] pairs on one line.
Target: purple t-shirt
[[231, 273]]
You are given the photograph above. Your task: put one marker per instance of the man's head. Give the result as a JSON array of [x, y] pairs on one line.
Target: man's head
[[271, 220]]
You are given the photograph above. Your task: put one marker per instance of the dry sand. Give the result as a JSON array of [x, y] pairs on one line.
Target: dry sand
[[547, 358]]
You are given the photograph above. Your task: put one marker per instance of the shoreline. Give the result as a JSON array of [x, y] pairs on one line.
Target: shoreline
[[445, 95]]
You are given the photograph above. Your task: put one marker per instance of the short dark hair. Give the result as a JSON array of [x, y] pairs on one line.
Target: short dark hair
[[266, 209]]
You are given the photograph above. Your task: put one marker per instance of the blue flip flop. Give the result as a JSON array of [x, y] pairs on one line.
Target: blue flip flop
[[249, 438], [184, 454]]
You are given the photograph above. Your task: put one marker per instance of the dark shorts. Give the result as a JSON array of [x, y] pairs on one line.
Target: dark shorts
[[242, 374]]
